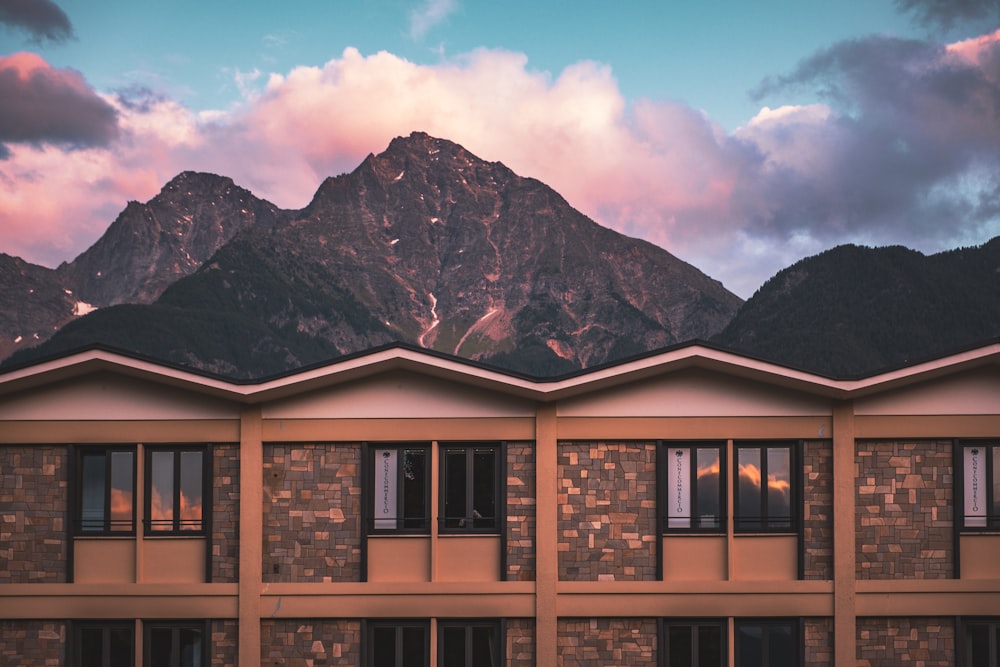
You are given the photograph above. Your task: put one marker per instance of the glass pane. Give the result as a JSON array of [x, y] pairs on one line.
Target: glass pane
[[91, 647], [453, 651], [455, 488], [121, 647], [92, 493], [709, 513], [161, 493], [779, 487], [780, 650], [190, 647], [484, 646], [709, 646], [414, 647], [122, 472], [191, 510], [484, 488], [679, 646], [749, 648], [748, 498], [995, 512], [414, 488], [161, 647], [383, 647], [977, 645]]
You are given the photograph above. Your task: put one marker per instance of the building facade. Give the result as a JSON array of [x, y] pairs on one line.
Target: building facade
[[691, 507]]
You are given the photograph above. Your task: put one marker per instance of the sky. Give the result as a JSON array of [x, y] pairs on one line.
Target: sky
[[741, 137]]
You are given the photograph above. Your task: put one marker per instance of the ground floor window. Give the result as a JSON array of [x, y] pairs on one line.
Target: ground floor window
[[397, 644], [693, 643], [103, 644], [766, 643], [468, 644], [980, 643], [175, 645]]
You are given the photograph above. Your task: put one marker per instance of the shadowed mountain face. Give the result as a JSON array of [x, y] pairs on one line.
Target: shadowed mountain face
[[424, 244]]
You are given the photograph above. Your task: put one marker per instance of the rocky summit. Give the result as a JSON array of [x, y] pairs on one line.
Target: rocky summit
[[424, 244]]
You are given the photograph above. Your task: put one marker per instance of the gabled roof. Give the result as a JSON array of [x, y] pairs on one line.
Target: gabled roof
[[460, 371]]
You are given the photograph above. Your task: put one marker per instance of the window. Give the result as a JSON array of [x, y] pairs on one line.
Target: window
[[470, 481], [397, 644], [468, 644], [980, 480], [400, 500], [693, 644], [771, 643], [979, 645], [694, 494], [105, 482], [103, 645], [175, 490], [765, 493], [175, 645]]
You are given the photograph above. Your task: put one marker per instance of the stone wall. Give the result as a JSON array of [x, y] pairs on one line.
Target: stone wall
[[32, 643], [818, 637], [888, 642], [520, 511], [817, 520], [606, 641], [520, 642], [607, 511], [312, 512], [904, 510], [225, 513], [310, 643], [33, 504], [224, 649]]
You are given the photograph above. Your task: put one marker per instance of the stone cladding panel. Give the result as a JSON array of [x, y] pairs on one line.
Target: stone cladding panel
[[32, 643], [225, 513], [904, 510], [33, 500], [818, 642], [312, 512], [817, 522], [310, 643], [520, 511], [607, 511], [520, 642], [888, 642], [225, 643], [606, 641]]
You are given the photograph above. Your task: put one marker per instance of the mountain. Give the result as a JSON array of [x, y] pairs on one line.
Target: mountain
[[851, 311], [424, 244]]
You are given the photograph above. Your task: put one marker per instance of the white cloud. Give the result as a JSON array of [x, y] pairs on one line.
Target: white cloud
[[429, 14]]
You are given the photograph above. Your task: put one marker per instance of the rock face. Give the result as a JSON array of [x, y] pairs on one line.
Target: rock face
[[425, 244]]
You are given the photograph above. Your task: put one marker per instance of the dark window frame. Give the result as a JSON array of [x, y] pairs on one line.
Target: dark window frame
[[992, 623], [175, 628], [664, 499], [663, 630], [368, 628], [794, 626], [404, 525], [764, 522], [82, 452], [75, 641], [495, 626], [991, 519], [470, 524], [206, 490]]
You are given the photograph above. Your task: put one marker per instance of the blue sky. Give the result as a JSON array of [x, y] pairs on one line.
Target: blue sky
[[739, 136]]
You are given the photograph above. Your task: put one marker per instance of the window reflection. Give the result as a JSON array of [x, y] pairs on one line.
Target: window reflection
[[763, 505], [176, 489]]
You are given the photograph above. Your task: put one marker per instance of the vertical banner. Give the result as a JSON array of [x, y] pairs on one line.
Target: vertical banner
[[975, 487], [678, 487], [384, 511]]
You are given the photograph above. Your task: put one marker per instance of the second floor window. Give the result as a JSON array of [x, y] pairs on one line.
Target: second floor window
[[980, 464], [106, 496], [470, 481], [400, 500], [765, 493], [694, 495], [175, 489]]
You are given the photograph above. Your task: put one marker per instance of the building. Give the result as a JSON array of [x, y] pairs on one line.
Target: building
[[690, 507]]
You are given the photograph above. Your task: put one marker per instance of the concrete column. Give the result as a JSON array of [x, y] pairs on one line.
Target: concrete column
[[844, 533], [251, 534], [546, 535]]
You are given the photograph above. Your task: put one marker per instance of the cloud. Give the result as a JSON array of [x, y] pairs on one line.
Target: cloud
[[429, 14], [42, 104], [946, 13], [903, 147], [41, 18]]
